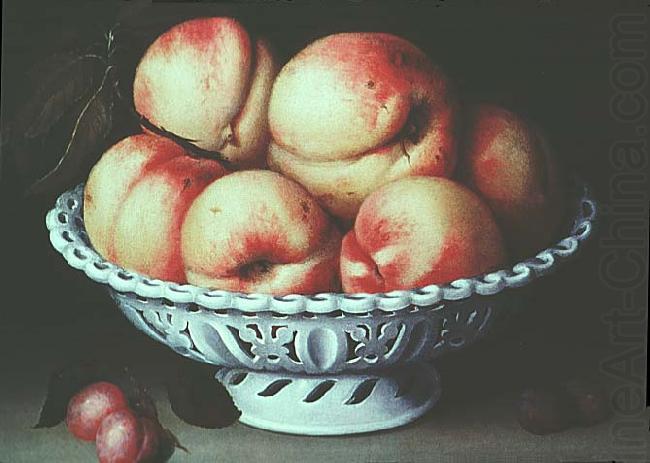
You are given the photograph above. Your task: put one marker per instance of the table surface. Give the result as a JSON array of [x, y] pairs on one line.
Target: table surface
[[474, 420]]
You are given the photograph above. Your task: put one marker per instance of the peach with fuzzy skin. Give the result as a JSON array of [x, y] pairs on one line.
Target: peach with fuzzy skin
[[510, 165], [353, 111], [256, 231], [205, 80], [419, 231], [135, 200]]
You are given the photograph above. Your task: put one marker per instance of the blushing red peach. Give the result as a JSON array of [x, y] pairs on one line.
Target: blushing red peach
[[509, 163], [256, 231], [419, 231], [136, 198], [353, 111], [205, 80]]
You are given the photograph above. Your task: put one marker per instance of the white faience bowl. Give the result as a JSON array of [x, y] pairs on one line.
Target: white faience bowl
[[321, 364]]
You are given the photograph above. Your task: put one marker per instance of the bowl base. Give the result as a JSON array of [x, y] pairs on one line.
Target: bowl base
[[335, 404]]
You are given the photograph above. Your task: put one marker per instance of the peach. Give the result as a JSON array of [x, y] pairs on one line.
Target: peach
[[207, 81], [136, 198], [256, 231], [508, 162], [88, 407], [353, 111], [418, 231]]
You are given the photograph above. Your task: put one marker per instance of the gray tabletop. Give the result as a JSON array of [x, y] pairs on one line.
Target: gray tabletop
[[473, 422]]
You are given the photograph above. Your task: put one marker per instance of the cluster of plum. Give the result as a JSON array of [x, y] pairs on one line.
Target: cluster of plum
[[100, 412], [351, 167], [552, 408]]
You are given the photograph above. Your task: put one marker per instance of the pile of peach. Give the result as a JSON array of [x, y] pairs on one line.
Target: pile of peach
[[352, 168]]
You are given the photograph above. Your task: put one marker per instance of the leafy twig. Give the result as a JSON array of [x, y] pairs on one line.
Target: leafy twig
[[75, 129]]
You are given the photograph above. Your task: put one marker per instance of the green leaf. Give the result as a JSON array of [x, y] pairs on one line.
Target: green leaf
[[199, 399], [56, 84], [86, 139], [63, 384]]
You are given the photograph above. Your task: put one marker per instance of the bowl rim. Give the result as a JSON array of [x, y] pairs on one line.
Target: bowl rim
[[68, 236]]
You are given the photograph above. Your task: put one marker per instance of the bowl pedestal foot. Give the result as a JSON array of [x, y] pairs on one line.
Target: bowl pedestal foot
[[335, 404]]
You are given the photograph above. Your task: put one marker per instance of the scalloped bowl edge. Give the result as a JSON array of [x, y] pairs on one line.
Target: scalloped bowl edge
[[68, 236]]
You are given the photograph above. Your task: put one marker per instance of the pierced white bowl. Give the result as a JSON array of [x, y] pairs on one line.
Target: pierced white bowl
[[323, 364]]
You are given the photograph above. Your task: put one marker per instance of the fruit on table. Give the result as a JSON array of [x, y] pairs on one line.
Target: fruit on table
[[123, 437], [507, 161], [208, 81], [256, 231], [353, 111], [544, 410], [591, 400], [418, 231], [100, 412], [151, 432], [90, 405], [136, 198]]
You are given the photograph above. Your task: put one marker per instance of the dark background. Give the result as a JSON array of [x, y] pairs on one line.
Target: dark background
[[548, 61]]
